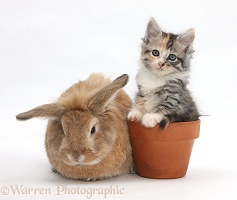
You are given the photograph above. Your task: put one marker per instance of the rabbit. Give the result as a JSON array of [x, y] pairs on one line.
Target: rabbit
[[87, 134]]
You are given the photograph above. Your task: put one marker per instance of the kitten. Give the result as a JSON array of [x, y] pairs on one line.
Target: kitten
[[162, 78]]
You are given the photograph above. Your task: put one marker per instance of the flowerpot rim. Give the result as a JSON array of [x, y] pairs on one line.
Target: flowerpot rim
[[176, 131]]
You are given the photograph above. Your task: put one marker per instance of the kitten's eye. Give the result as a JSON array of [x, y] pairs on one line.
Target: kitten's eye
[[155, 52], [93, 130], [172, 57]]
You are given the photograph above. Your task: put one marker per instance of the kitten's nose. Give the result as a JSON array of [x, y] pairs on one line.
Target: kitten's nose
[[161, 64]]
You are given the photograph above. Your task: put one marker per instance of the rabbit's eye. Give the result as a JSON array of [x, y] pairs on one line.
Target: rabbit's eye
[[93, 130]]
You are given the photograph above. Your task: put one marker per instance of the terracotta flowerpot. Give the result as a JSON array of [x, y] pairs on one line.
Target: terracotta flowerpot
[[163, 153]]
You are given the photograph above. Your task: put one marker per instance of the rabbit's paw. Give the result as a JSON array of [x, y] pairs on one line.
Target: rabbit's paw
[[135, 115], [55, 171], [90, 179], [149, 120]]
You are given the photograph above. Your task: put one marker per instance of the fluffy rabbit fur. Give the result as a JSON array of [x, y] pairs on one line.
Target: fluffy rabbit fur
[[87, 135]]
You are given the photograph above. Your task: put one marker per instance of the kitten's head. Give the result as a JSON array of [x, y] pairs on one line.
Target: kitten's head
[[166, 53]]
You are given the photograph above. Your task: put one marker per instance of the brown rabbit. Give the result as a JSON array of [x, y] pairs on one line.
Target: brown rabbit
[[87, 135]]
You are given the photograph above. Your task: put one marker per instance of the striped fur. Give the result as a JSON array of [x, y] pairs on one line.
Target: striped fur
[[162, 95]]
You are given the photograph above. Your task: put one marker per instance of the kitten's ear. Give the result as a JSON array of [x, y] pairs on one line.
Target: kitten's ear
[[153, 30], [186, 38]]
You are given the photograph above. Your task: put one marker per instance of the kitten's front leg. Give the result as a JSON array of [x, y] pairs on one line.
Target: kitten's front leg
[[138, 110], [149, 120], [135, 115]]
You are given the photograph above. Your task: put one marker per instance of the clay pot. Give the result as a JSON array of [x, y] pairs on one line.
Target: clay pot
[[163, 153]]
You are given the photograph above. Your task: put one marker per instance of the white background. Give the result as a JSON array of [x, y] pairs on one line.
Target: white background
[[47, 45]]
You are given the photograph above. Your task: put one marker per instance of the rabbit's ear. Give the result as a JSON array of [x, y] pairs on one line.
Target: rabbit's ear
[[102, 98], [53, 110]]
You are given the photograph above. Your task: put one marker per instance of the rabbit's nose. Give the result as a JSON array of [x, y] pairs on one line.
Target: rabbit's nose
[[81, 158], [75, 155]]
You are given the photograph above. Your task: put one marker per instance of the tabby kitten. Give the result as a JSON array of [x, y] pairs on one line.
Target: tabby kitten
[[162, 78]]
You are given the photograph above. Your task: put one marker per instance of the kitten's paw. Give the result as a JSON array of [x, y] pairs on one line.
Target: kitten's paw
[[149, 120], [134, 115]]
